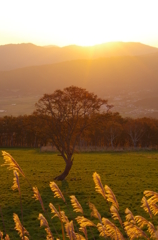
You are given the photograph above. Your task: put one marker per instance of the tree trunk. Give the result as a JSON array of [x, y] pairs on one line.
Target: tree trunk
[[62, 176]]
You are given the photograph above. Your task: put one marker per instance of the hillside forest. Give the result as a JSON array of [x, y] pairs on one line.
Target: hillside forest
[[105, 130]]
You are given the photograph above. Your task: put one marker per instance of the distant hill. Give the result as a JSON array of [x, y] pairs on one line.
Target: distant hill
[[124, 80], [104, 75], [14, 56]]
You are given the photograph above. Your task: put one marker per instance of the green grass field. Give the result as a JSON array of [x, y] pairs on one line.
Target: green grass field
[[128, 174]]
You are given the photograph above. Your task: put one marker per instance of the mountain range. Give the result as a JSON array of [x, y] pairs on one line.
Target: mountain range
[[14, 56], [124, 73]]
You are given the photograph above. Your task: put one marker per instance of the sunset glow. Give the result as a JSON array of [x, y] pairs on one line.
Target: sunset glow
[[84, 22]]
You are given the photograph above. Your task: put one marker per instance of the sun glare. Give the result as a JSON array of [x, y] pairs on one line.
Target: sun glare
[[81, 22]]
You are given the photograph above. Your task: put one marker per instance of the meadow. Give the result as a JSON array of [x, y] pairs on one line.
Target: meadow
[[128, 174]]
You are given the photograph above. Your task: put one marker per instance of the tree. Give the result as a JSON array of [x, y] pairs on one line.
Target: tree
[[112, 131], [66, 114], [135, 130]]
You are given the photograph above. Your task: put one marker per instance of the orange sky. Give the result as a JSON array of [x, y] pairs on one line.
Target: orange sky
[[80, 22]]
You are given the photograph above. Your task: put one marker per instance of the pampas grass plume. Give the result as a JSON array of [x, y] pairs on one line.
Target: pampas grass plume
[[152, 200], [95, 212], [84, 222], [76, 205], [79, 237], [133, 231], [1, 235], [37, 197], [111, 197], [6, 237], [154, 208], [102, 230], [64, 218], [84, 230], [145, 205], [129, 216], [98, 184], [16, 184], [19, 227], [111, 230], [11, 163], [53, 210], [69, 228], [56, 190], [153, 195], [43, 222], [142, 222], [115, 214]]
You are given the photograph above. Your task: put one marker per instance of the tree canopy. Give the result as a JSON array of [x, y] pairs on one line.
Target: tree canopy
[[66, 113]]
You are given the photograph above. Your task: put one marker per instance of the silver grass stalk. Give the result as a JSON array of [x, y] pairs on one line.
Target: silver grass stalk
[[69, 228], [64, 218], [79, 237], [145, 205], [62, 227], [152, 201], [43, 222], [37, 197], [133, 231], [84, 222], [129, 216], [110, 196], [98, 184], [102, 230], [95, 212], [1, 235], [11, 163], [153, 207], [19, 227], [84, 230], [151, 229], [76, 205], [53, 210], [56, 190], [153, 196], [16, 184], [115, 214], [156, 234], [8, 238], [142, 222], [111, 230]]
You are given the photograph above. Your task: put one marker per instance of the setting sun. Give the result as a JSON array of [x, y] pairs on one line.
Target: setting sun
[[78, 22]]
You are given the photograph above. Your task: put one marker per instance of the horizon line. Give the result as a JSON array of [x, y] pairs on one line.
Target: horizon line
[[77, 45]]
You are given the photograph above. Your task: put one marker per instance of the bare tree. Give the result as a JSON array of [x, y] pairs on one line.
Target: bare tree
[[135, 130], [112, 131]]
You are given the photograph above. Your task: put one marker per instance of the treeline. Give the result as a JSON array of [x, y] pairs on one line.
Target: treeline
[[105, 130]]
